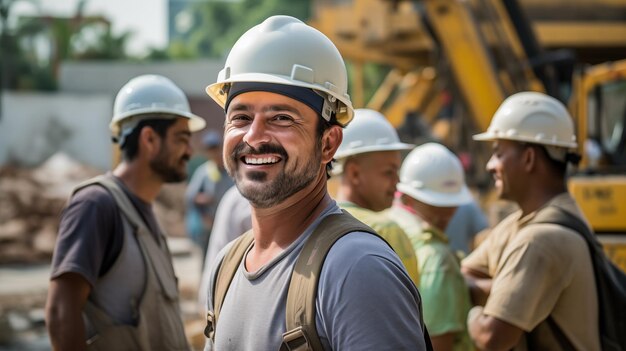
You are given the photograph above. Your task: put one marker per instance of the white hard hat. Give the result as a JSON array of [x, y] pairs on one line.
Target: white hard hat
[[147, 95], [284, 50], [433, 175], [369, 131], [534, 118]]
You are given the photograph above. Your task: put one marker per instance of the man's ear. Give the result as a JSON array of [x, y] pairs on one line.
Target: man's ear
[[351, 170], [331, 139], [149, 142], [529, 157]]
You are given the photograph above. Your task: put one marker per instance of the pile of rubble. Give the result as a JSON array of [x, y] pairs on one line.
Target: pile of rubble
[[32, 199]]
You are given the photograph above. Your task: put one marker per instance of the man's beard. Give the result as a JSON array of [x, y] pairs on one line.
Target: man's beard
[[168, 173], [283, 186]]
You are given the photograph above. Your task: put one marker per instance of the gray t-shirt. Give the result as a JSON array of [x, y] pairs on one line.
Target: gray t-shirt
[[91, 233], [365, 301]]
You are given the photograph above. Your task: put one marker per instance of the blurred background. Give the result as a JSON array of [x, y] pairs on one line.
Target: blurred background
[[436, 68]]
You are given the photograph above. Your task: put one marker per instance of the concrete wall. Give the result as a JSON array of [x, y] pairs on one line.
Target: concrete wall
[[34, 126]]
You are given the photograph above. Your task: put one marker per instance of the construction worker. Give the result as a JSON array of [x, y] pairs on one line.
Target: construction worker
[[368, 161], [284, 92], [205, 190], [431, 187], [532, 281], [111, 264]]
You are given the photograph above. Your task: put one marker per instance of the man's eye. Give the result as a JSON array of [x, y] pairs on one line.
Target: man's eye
[[239, 118], [283, 118]]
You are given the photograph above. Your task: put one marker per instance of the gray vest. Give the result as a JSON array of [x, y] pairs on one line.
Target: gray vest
[[141, 279]]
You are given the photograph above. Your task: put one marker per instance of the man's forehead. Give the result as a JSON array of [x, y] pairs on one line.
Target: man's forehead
[[181, 126]]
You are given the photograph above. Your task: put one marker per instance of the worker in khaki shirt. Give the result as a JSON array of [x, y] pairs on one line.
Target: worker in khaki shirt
[[368, 161], [533, 282]]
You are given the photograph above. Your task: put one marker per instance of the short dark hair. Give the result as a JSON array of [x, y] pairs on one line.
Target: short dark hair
[[322, 126], [130, 148]]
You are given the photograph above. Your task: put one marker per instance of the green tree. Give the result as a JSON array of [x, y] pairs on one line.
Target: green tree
[[221, 23]]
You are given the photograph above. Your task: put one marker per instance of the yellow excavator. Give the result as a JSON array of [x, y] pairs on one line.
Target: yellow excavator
[[452, 62]]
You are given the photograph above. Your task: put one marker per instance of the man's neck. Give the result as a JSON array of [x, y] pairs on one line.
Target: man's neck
[[139, 180], [537, 198], [277, 227]]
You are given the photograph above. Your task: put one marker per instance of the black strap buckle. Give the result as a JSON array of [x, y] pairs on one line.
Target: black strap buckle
[[209, 330], [295, 340]]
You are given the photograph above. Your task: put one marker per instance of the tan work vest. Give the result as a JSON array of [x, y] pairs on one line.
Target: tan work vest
[[159, 317]]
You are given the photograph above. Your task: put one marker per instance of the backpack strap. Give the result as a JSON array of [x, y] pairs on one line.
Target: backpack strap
[[300, 313], [224, 277], [561, 216]]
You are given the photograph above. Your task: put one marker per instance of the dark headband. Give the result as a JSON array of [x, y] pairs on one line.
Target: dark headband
[[306, 96]]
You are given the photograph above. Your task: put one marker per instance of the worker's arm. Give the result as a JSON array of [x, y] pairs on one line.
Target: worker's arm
[[443, 342], [490, 333], [478, 283], [66, 298]]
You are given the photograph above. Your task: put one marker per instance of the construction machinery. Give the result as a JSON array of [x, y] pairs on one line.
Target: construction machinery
[[450, 63]]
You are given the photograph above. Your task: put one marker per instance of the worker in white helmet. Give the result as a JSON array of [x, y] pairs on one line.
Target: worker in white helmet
[[431, 187], [111, 265], [368, 161], [284, 93], [532, 279]]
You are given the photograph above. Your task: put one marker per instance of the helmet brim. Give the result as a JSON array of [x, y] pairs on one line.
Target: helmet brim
[[374, 148], [437, 199], [216, 91], [196, 123], [489, 136]]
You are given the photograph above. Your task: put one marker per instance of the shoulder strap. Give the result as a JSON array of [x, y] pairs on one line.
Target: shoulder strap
[[300, 313], [563, 217], [160, 258], [120, 198], [225, 274]]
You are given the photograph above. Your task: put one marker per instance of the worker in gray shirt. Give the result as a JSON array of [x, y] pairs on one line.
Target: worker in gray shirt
[[284, 92]]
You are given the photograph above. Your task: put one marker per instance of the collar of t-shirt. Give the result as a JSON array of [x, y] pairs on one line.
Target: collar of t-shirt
[[522, 221], [296, 245]]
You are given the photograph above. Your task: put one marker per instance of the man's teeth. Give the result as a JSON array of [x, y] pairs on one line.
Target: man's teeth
[[261, 161]]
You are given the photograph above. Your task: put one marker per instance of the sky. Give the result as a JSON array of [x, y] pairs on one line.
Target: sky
[[147, 19]]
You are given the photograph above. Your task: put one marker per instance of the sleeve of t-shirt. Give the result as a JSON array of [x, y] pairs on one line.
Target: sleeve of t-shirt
[[478, 259], [366, 300], [529, 279], [444, 294], [88, 239]]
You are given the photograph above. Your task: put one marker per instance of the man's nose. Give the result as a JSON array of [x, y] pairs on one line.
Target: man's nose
[[257, 133]]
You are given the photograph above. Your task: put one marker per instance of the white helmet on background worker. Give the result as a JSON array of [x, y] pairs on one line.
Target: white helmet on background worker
[[369, 131], [433, 175], [536, 118], [285, 51], [145, 96]]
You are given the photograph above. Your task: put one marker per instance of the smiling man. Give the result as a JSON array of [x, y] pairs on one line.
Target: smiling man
[[284, 91], [111, 266], [532, 279]]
